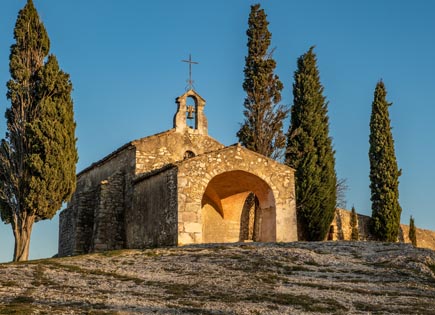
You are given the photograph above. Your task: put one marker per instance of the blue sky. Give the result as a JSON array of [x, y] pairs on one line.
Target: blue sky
[[124, 58]]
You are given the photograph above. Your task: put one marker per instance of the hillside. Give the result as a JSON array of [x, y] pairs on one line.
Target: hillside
[[249, 278]]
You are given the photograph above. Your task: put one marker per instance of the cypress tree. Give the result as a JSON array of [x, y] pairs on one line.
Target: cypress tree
[[310, 153], [38, 155], [262, 129], [354, 235], [412, 232], [384, 173]]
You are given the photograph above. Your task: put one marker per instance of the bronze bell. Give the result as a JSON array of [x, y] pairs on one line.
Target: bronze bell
[[190, 110]]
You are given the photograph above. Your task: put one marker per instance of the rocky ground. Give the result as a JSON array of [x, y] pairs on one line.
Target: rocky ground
[[249, 278]]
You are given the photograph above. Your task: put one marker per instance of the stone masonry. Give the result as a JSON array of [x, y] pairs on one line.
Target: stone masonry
[[179, 187], [243, 171]]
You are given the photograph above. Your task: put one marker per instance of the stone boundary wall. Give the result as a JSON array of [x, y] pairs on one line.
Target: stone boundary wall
[[425, 238], [342, 230], [341, 226]]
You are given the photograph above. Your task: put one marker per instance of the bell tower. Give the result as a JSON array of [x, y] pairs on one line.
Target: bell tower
[[193, 113]]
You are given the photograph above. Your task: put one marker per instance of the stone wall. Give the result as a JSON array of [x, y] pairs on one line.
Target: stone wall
[[66, 232], [225, 223], [78, 224], [169, 147], [152, 221], [342, 230], [341, 226], [108, 229], [425, 238], [241, 171], [122, 159]]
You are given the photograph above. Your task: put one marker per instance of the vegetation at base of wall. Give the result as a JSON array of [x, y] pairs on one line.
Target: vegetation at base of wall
[[309, 151], [412, 232], [384, 172], [38, 155], [262, 129]]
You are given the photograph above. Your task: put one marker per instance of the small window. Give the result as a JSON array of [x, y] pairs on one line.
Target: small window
[[188, 155]]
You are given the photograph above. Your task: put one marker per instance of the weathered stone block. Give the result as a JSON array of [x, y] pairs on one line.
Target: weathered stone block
[[189, 217], [185, 238], [191, 227]]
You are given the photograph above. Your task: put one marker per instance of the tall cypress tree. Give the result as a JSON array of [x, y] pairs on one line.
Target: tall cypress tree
[[384, 173], [38, 155], [262, 129], [412, 232], [354, 233], [310, 152]]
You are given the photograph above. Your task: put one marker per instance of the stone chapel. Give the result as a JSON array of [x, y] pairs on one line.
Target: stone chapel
[[179, 187]]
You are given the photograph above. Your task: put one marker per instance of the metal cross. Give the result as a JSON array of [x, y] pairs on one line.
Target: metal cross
[[190, 62]]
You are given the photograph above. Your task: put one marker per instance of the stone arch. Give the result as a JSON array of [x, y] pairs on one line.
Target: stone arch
[[222, 207]]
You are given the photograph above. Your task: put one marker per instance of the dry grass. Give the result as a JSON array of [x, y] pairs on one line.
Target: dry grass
[[294, 278]]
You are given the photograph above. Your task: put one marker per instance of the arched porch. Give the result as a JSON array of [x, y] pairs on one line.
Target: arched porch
[[238, 206]]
